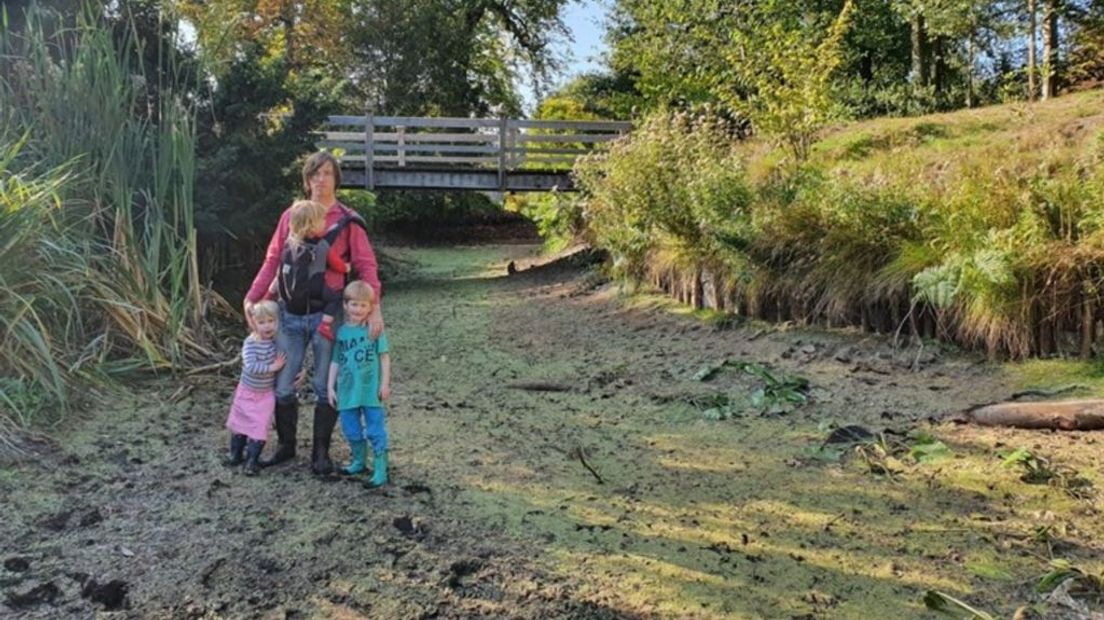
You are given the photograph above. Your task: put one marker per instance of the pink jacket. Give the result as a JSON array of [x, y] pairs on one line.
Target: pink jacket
[[352, 238]]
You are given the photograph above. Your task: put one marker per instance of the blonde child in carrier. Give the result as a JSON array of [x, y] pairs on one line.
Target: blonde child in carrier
[[255, 399], [308, 254]]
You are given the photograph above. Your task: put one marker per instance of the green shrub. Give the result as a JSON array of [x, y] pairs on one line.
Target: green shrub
[[675, 186]]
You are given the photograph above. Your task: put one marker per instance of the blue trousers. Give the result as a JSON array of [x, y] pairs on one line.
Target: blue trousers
[[297, 332], [372, 428]]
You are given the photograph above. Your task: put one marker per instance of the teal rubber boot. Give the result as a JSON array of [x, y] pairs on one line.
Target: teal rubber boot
[[379, 471], [360, 453]]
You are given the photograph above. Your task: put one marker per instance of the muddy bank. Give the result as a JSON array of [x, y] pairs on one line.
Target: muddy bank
[[612, 495]]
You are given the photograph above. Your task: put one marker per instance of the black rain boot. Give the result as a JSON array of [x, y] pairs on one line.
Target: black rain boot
[[252, 453], [287, 419], [237, 444], [325, 417]]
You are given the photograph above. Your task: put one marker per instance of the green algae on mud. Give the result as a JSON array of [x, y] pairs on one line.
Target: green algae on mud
[[722, 519], [494, 512]]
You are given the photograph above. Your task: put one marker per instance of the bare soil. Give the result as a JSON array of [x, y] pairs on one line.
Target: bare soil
[[552, 458]]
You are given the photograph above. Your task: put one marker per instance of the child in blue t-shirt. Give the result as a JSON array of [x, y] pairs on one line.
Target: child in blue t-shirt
[[360, 382]]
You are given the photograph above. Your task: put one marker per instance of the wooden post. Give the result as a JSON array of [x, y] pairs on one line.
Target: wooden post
[[369, 148], [503, 124], [402, 147]]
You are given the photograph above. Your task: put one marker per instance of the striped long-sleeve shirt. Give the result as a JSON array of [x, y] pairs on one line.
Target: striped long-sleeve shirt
[[257, 357]]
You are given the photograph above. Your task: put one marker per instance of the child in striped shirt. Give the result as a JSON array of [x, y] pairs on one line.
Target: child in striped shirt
[[254, 400]]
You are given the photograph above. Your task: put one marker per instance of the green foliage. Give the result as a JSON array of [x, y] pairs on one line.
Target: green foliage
[[1039, 470], [411, 209], [777, 392], [952, 607], [672, 52], [597, 95], [249, 153], [1063, 570], [881, 455], [98, 210], [36, 306], [1036, 470], [675, 186], [904, 57], [926, 449], [559, 217], [881, 220], [786, 66]]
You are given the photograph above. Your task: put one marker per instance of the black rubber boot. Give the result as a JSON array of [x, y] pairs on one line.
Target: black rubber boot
[[287, 419], [325, 417], [237, 444], [252, 453]]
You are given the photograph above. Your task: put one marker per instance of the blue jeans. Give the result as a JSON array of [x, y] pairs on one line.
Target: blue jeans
[[296, 332], [373, 429]]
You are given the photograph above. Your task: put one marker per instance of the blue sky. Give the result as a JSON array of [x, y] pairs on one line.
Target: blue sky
[[586, 21]]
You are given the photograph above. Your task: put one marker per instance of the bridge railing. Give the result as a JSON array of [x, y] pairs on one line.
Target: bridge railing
[[502, 145]]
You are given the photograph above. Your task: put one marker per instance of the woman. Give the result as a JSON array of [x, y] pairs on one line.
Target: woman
[[321, 178]]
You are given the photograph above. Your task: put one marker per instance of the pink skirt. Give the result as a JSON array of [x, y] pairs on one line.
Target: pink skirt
[[251, 412]]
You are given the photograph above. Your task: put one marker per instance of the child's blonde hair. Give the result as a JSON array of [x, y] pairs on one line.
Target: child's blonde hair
[[266, 309], [307, 216], [359, 290]]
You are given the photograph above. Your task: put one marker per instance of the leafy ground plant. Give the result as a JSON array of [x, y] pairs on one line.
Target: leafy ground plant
[[1039, 470], [926, 448], [779, 393], [1087, 583], [951, 607], [885, 453]]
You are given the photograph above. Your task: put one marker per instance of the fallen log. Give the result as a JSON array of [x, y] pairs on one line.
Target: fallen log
[[1065, 415]]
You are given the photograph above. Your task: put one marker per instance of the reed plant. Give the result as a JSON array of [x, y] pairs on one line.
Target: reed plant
[[98, 211]]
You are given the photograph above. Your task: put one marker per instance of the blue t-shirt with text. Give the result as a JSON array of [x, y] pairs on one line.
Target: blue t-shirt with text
[[358, 366]]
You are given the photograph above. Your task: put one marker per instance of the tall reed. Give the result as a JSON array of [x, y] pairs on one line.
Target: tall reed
[[117, 145]]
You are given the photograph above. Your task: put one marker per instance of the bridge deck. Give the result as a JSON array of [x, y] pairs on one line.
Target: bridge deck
[[474, 154]]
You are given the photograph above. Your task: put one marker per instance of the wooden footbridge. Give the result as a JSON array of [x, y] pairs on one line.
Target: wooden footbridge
[[478, 154]]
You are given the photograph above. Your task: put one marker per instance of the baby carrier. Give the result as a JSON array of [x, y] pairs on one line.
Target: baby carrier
[[301, 279]]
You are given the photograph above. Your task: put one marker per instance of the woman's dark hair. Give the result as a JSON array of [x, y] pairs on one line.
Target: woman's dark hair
[[316, 161]]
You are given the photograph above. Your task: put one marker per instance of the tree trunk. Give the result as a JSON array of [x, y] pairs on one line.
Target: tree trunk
[[970, 72], [1068, 415], [1050, 49], [1032, 87], [697, 291], [1088, 326], [938, 64], [919, 51]]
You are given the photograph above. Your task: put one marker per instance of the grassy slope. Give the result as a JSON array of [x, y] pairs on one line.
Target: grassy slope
[[934, 147], [937, 150]]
